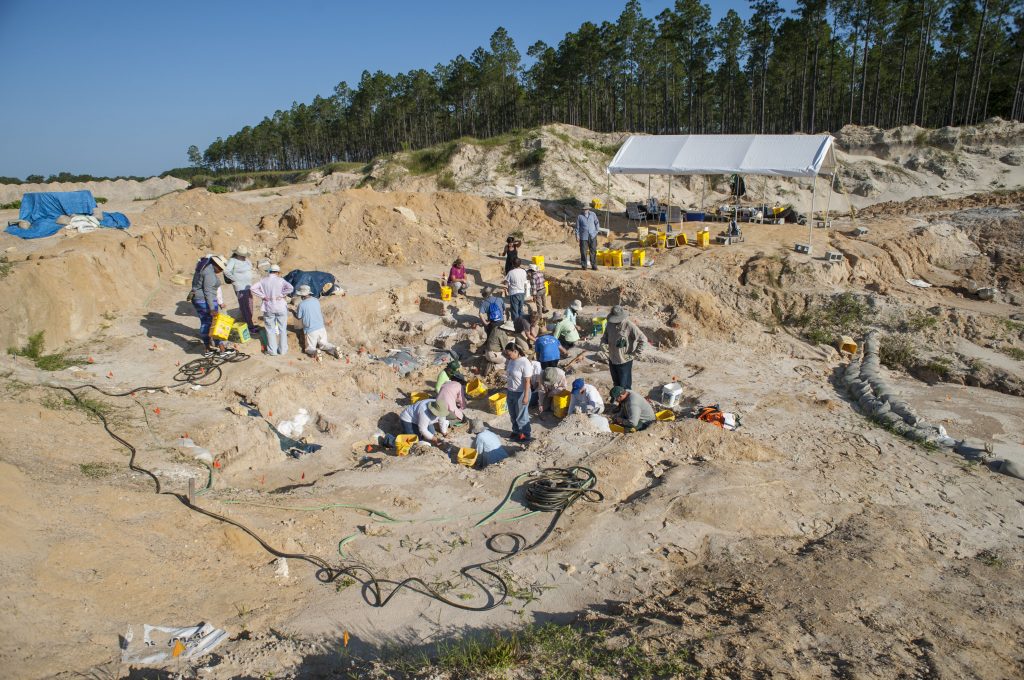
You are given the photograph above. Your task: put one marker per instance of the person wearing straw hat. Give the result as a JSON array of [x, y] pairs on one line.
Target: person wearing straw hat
[[625, 342], [273, 291], [427, 418], [239, 273], [488, 445], [204, 299], [585, 398], [314, 331]]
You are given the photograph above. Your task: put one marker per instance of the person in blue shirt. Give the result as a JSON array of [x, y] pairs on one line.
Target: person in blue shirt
[[586, 234], [548, 349], [488, 445], [313, 328]]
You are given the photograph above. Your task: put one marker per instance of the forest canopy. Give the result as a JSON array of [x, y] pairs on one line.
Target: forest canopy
[[827, 64]]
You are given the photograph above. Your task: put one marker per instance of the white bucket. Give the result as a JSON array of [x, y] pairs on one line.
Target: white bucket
[[671, 394], [519, 190]]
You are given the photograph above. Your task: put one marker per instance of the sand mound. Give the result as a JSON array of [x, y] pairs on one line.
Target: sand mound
[[121, 190]]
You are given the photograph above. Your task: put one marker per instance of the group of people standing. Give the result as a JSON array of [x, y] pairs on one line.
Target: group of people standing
[[273, 293]]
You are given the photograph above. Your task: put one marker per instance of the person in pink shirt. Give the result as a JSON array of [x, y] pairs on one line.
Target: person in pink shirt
[[457, 278], [453, 396], [273, 292]]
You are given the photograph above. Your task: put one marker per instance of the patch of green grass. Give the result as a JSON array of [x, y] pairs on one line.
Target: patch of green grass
[[897, 352], [96, 470], [217, 189], [33, 350], [1012, 326], [13, 205], [917, 322], [446, 180], [5, 267], [1013, 352], [608, 150], [530, 159], [87, 405], [100, 199], [841, 314], [428, 161], [991, 558], [940, 366], [556, 651], [342, 166]]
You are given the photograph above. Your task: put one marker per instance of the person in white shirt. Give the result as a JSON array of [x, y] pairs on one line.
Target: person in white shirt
[[517, 285], [585, 398], [519, 372]]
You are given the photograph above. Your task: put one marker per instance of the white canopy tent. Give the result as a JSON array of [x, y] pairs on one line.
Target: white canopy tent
[[776, 155]]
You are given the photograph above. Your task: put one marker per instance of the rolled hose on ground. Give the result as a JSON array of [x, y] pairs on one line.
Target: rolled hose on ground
[[556, 490]]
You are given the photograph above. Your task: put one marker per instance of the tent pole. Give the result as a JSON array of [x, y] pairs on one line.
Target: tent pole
[[703, 186], [828, 199], [608, 207], [648, 189], [810, 217], [668, 206]]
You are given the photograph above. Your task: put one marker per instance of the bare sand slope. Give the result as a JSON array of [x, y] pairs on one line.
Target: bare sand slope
[[808, 544]]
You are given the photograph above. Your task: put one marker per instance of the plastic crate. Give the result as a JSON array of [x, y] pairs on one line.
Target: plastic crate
[[241, 332], [476, 388], [222, 325], [418, 396], [638, 257], [498, 403]]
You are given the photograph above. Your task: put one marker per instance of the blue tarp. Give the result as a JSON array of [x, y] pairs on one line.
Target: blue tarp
[[43, 208], [321, 283]]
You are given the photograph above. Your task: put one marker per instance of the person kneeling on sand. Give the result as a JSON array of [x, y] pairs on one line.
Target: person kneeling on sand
[[450, 372], [488, 445], [634, 412], [497, 338], [313, 330], [585, 398], [453, 395]]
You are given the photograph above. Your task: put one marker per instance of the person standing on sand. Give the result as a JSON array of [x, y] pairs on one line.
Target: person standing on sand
[[516, 284], [518, 372], [239, 274], [625, 342], [586, 234], [204, 299], [273, 291], [511, 253]]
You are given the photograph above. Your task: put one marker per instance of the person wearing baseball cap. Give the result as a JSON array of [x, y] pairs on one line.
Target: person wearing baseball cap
[[585, 398], [273, 292], [635, 413], [313, 329], [239, 273], [204, 299]]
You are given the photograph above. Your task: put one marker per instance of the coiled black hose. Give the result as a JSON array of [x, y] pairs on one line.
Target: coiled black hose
[[556, 489]]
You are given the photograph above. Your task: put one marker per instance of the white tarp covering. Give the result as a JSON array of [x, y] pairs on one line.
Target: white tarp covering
[[782, 155]]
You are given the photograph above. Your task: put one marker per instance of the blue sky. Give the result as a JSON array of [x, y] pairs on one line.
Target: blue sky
[[112, 87]]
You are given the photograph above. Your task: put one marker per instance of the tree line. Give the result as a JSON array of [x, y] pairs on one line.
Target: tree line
[[826, 64]]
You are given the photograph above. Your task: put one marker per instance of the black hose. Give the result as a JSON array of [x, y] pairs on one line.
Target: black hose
[[555, 490]]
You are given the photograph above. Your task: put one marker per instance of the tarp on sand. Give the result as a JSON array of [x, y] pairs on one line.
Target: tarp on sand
[[42, 209]]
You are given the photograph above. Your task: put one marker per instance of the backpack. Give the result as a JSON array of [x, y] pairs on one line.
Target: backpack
[[495, 312]]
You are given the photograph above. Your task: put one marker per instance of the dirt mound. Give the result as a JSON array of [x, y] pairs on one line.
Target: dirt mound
[[120, 190]]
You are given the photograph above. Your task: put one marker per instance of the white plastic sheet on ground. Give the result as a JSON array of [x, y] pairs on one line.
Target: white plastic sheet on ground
[[294, 427], [158, 643]]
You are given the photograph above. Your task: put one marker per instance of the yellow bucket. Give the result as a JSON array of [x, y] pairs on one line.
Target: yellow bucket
[[466, 457], [613, 258], [404, 442], [222, 325], [539, 261], [476, 388], [560, 403], [641, 233], [703, 239], [596, 203], [497, 403], [665, 415], [418, 396], [602, 257], [241, 332], [617, 428], [847, 344], [446, 293], [662, 240], [639, 255]]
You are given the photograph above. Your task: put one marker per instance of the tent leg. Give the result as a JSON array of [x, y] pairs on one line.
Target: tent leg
[[828, 199], [810, 217], [608, 207]]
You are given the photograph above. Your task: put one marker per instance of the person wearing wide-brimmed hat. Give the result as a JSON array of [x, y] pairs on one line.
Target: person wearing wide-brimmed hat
[[204, 298], [626, 342], [314, 331], [273, 291], [239, 273], [427, 418]]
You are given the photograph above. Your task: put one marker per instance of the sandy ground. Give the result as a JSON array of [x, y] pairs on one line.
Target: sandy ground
[[808, 544]]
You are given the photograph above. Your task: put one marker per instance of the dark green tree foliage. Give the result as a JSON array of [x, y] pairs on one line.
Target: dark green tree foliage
[[827, 64]]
